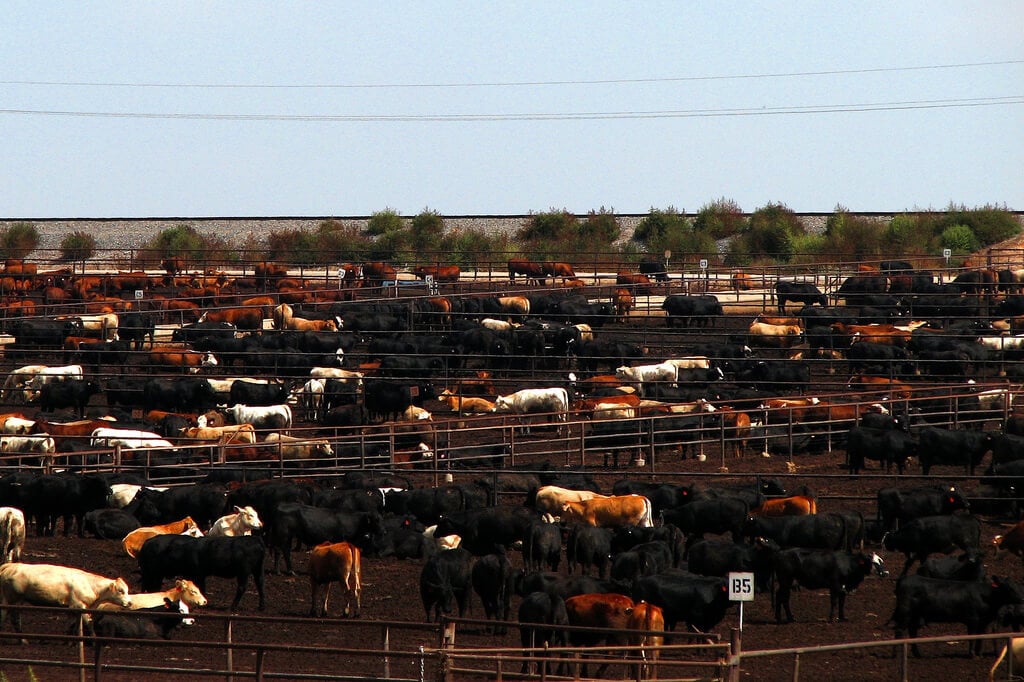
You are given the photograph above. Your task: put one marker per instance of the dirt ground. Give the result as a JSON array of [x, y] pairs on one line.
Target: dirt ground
[[390, 590]]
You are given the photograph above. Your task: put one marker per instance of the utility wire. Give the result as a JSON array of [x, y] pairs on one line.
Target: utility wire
[[511, 84], [446, 118]]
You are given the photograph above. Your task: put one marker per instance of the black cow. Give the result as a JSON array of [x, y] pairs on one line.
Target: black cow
[[542, 619], [110, 524], [934, 534], [168, 556], [698, 601], [964, 448], [39, 334], [151, 623], [191, 333], [798, 292], [251, 393], [700, 310], [961, 567], [840, 572], [647, 558], [654, 269], [134, 327], [588, 546], [922, 600], [446, 581], [68, 496], [897, 506], [482, 530], [816, 531], [662, 495], [124, 391], [94, 354], [886, 446], [864, 354], [709, 516], [388, 399], [542, 546], [856, 288], [185, 394], [308, 525], [776, 377], [719, 558], [76, 393], [205, 503], [492, 578], [627, 537]]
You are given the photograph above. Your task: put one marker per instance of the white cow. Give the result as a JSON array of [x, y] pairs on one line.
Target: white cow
[[551, 498], [311, 397], [336, 373], [243, 522], [102, 325], [261, 416], [127, 438], [640, 374], [529, 400], [48, 374], [1002, 342], [41, 444], [12, 534], [121, 494], [444, 541], [691, 362], [19, 380], [497, 325], [51, 585], [14, 426], [413, 413]]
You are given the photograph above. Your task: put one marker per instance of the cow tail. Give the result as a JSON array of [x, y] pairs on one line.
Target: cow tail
[[648, 512], [846, 533]]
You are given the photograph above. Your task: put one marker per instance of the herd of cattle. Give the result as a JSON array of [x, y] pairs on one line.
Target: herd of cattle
[[253, 364]]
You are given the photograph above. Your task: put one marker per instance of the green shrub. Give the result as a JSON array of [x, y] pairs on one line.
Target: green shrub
[[180, 240], [771, 232], [849, 237], [960, 239], [18, 240], [599, 229], [653, 228], [426, 231], [721, 219], [989, 224], [384, 222], [77, 246]]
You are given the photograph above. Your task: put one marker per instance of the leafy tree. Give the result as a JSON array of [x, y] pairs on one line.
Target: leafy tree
[[600, 229], [850, 237], [989, 224], [771, 232]]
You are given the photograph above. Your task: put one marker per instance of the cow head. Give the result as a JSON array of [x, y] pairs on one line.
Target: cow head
[[189, 592]]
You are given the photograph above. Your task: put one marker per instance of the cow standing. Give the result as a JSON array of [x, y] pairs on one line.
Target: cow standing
[[335, 562]]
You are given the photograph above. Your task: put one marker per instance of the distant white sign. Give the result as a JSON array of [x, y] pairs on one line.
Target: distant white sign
[[138, 294], [703, 263]]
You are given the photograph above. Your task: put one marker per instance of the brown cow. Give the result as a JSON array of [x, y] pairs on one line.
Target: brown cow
[[741, 281], [266, 271], [376, 273], [795, 505], [534, 272], [133, 542], [335, 562], [637, 283], [190, 361], [623, 303], [440, 273], [610, 512], [605, 611], [249, 318], [556, 269]]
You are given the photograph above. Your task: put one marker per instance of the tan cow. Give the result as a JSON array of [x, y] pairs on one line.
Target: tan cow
[[226, 435], [12, 534], [302, 449], [50, 585], [184, 591], [335, 562], [610, 512], [133, 542]]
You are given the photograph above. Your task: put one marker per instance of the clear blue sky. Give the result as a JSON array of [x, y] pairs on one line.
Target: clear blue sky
[[198, 109]]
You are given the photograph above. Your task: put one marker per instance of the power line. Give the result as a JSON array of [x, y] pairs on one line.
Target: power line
[[564, 116], [511, 84]]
